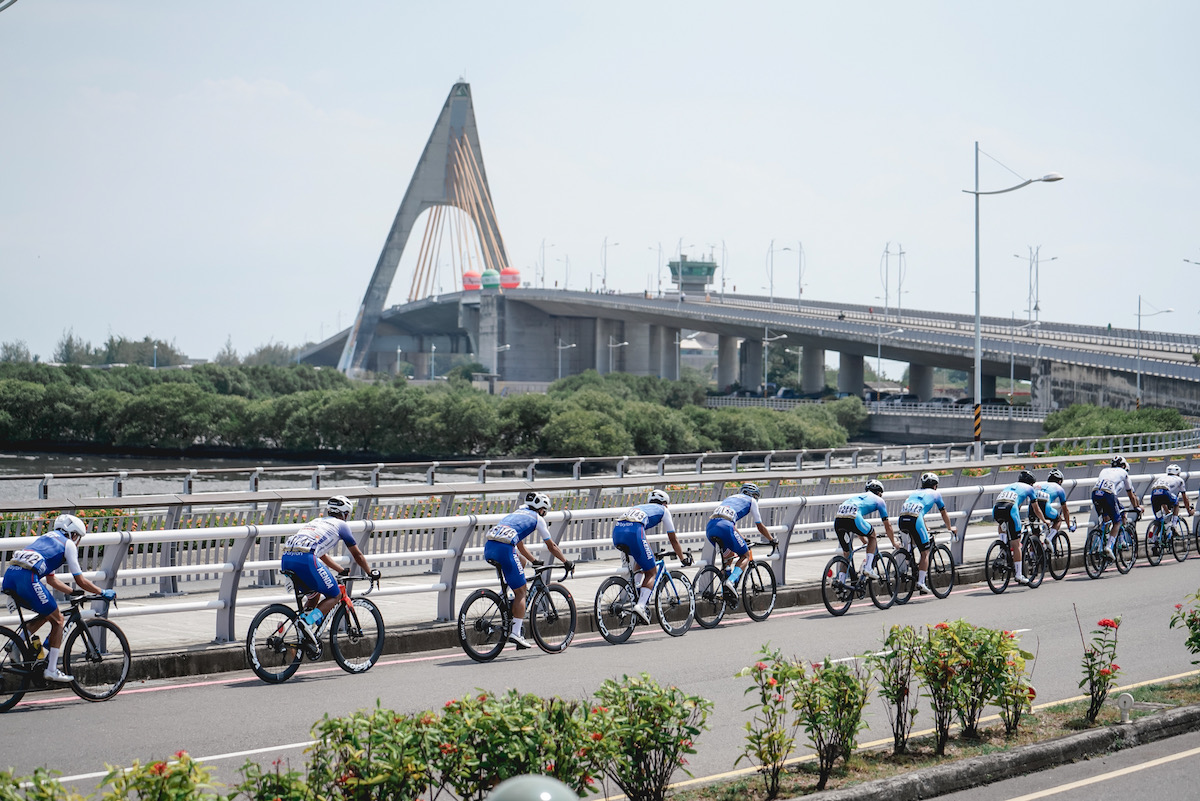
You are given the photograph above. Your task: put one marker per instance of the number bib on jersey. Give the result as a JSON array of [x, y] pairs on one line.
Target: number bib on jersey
[[1106, 485], [848, 509], [506, 534], [28, 559], [913, 508], [634, 515], [1007, 496], [725, 513]]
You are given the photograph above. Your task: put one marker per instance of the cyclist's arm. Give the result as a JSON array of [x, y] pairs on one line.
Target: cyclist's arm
[[1133, 498], [763, 530], [525, 552], [946, 520], [331, 563], [58, 584], [357, 554], [891, 535], [675, 545], [555, 550]]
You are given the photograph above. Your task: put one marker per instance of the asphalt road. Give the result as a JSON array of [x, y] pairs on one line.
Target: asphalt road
[[237, 714]]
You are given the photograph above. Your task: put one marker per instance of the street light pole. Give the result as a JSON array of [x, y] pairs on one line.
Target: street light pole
[[432, 360], [879, 335], [604, 278], [771, 276], [561, 348], [800, 274], [978, 382], [1138, 403], [767, 340], [611, 347], [799, 367]]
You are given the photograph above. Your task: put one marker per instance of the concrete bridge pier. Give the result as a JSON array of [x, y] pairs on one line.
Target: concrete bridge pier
[[752, 363], [609, 333], [850, 374], [668, 354], [920, 380], [987, 385], [639, 359], [727, 361], [812, 369]]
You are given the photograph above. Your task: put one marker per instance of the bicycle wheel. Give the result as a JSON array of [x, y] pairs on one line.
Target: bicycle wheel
[[552, 618], [709, 588], [1094, 560], [883, 586], [14, 669], [483, 625], [906, 575], [1125, 550], [941, 571], [996, 567], [1059, 558], [100, 667], [274, 644], [758, 590], [356, 639], [1131, 532], [1179, 541], [1154, 543], [1034, 562], [836, 595], [674, 603], [614, 609]]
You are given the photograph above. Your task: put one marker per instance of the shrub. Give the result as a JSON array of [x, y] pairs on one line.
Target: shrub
[[830, 704], [1189, 618], [1099, 664], [369, 755], [937, 669], [895, 669], [770, 734], [182, 779], [277, 784]]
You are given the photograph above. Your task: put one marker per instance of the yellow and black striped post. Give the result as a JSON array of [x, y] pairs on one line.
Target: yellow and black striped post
[[978, 430]]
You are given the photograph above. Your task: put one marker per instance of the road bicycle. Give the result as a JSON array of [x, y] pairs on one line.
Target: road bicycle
[[756, 586], [1174, 538], [485, 618], [1096, 560], [998, 567], [95, 653], [279, 638], [674, 602], [1056, 553], [939, 578], [838, 595]]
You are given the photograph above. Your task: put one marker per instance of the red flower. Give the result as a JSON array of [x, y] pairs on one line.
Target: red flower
[[941, 626], [1105, 672], [779, 699], [1115, 667], [588, 779], [483, 697], [760, 665], [448, 748], [1107, 623], [1178, 606], [1032, 692], [686, 743], [158, 768], [772, 681], [550, 766], [597, 735], [180, 754], [450, 703]]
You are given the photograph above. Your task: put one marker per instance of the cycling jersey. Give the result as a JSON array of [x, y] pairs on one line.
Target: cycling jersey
[[1007, 506], [1051, 497], [630, 531], [501, 545], [1165, 493], [851, 516], [912, 515], [303, 550], [721, 529], [28, 566], [1106, 495]]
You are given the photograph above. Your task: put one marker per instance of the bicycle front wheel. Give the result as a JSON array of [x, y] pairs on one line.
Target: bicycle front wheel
[[1125, 550], [1094, 560], [614, 609], [758, 590], [14, 669], [883, 586], [941, 571], [996, 567], [1059, 556], [710, 597], [836, 596], [274, 644], [906, 575], [674, 603], [552, 618], [1034, 557], [1179, 541], [483, 625], [356, 637], [96, 655], [1154, 543]]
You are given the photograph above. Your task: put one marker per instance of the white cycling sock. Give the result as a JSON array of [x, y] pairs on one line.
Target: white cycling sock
[[921, 576], [51, 657], [518, 624], [869, 561], [1017, 567], [644, 596]]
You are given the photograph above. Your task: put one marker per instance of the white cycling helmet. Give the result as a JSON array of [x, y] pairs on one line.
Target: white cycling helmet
[[751, 489], [875, 487], [658, 496], [70, 526], [1173, 470], [929, 480], [1119, 461], [338, 506], [538, 501]]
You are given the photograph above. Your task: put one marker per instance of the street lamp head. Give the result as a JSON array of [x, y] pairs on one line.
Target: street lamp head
[[1051, 177]]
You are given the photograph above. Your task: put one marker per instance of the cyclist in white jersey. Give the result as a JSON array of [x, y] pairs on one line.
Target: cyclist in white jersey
[[1112, 481], [306, 555], [1166, 493]]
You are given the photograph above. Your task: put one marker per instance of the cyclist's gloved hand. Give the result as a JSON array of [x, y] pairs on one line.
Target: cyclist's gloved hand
[[686, 560], [374, 575], [345, 571], [569, 566], [537, 563], [1072, 526], [108, 595]]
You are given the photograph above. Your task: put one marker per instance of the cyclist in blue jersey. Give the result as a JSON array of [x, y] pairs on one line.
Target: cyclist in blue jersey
[[306, 555], [29, 566], [629, 534], [1052, 499], [1166, 492], [912, 522], [1006, 511], [1112, 481], [850, 521], [722, 532], [503, 542]]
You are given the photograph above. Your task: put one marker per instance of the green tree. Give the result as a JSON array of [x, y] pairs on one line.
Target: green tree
[[20, 409], [521, 419], [15, 351], [581, 432]]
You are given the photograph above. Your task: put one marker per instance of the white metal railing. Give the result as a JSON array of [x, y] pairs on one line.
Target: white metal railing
[[797, 508]]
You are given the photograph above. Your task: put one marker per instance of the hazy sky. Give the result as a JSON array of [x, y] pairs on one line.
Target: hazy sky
[[198, 171]]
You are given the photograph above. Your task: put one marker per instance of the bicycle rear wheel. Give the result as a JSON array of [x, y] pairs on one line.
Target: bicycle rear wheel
[[274, 644], [614, 609], [1125, 550], [99, 667], [483, 625], [1154, 543], [14, 669], [836, 596], [1094, 560], [883, 586], [1058, 558], [1179, 541], [996, 567], [552, 618], [758, 590], [356, 639], [1034, 562], [709, 588], [674, 603], [941, 571], [906, 575]]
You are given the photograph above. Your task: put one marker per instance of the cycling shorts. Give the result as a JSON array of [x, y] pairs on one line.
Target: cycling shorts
[[1163, 501], [845, 527], [633, 537], [1107, 505], [311, 572], [722, 532], [914, 527], [504, 556], [1049, 510], [1008, 513], [30, 591]]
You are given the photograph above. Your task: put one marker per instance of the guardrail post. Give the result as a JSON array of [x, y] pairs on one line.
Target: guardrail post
[[854, 457], [879, 457], [700, 464], [168, 586], [482, 477], [44, 487], [786, 540], [577, 469], [621, 466], [119, 484], [451, 567], [375, 474], [767, 461], [800, 459], [662, 466], [316, 476], [956, 549], [255, 479], [431, 473], [828, 459], [227, 594], [531, 471], [733, 463]]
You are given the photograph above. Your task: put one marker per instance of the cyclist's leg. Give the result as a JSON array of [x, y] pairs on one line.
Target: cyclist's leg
[[633, 536], [505, 555], [32, 594], [312, 576], [844, 527], [866, 533], [734, 545]]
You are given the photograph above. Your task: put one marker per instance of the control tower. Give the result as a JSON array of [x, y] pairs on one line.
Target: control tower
[[692, 276]]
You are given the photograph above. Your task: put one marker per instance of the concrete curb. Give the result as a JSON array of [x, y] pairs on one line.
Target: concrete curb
[[211, 657], [1019, 761]]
